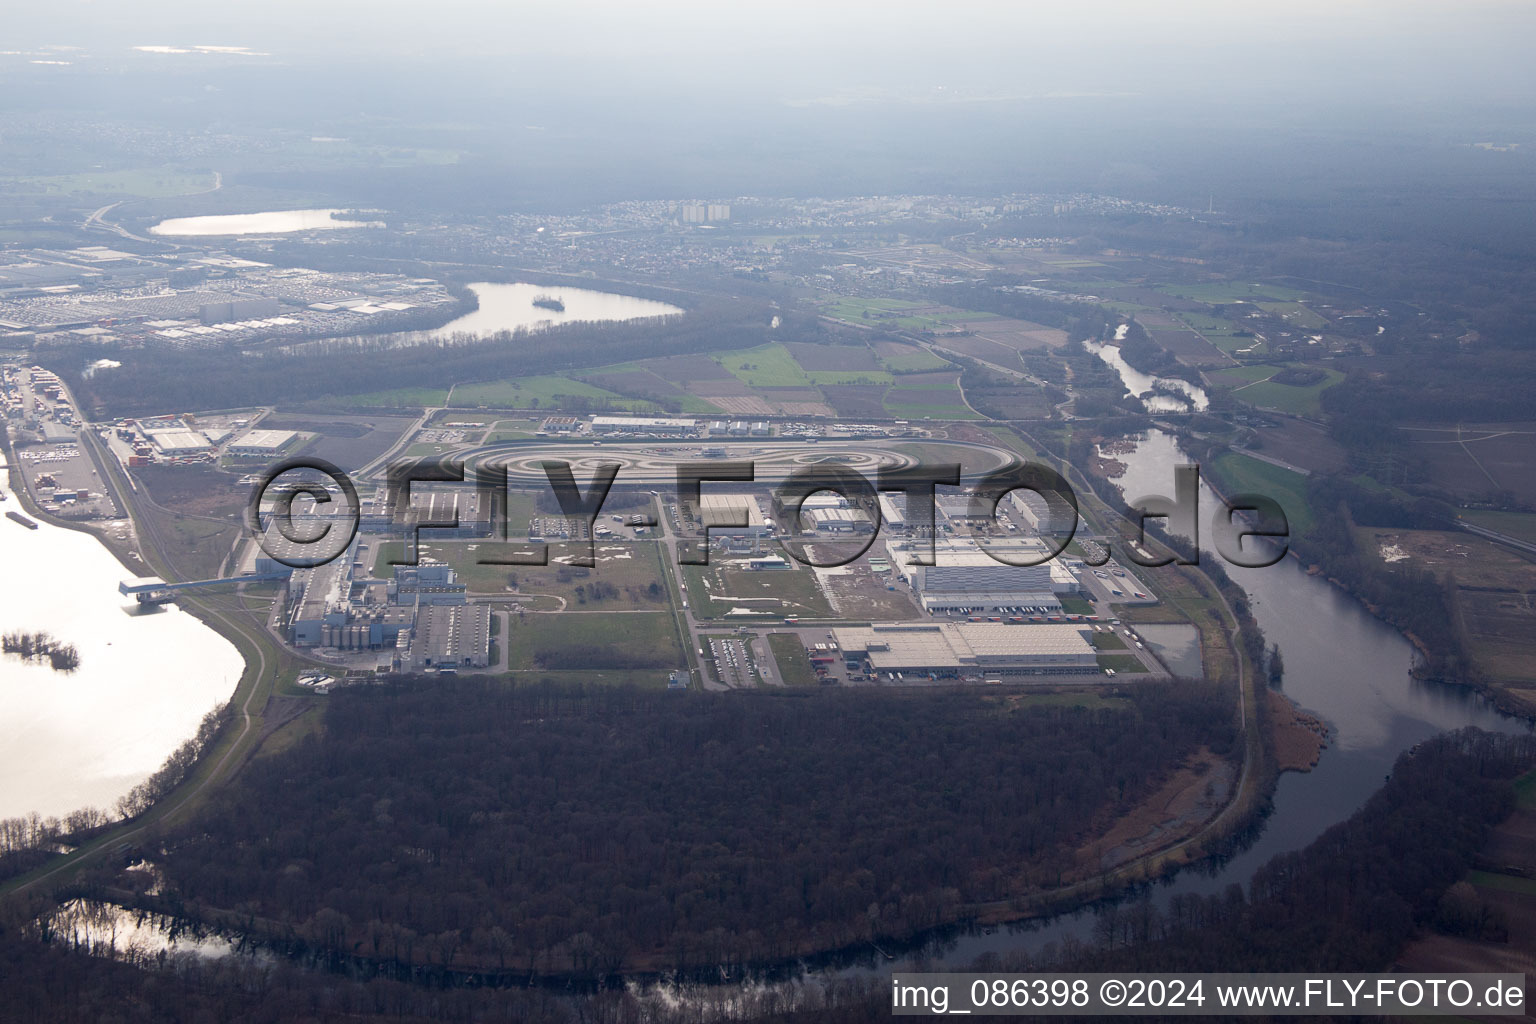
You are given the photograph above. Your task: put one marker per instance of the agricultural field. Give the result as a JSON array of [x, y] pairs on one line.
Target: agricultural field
[[1231, 338], [538, 392], [1478, 461], [1234, 473], [899, 357], [1519, 525], [1264, 393], [764, 366], [1302, 444]]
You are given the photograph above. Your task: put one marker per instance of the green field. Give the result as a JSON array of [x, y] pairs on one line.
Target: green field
[[921, 410], [768, 366], [794, 664], [1235, 473], [849, 376], [915, 360], [1108, 642], [638, 647], [1123, 664], [1267, 394], [538, 392], [1223, 333]]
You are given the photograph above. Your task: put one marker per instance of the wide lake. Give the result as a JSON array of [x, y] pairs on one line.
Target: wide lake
[[273, 222], [146, 676]]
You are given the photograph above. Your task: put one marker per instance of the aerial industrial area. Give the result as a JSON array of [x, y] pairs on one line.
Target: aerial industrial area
[[1007, 612]]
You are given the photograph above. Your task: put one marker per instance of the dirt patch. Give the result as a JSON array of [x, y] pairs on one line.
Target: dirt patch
[[194, 490], [1298, 737], [1192, 795]]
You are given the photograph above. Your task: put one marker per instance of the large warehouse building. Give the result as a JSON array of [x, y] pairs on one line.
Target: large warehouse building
[[642, 425], [262, 442], [968, 579], [969, 650]]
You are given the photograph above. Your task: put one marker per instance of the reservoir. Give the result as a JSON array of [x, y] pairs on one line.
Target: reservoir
[[509, 307], [146, 677], [275, 222]]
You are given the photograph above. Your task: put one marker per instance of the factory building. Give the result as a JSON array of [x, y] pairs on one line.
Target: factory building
[[263, 443], [967, 579], [840, 520], [642, 425], [449, 637], [429, 582], [716, 510], [433, 503], [179, 442], [968, 650], [1047, 517]]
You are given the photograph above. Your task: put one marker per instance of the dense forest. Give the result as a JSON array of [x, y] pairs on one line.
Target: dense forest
[[1353, 898], [450, 824], [1349, 901], [156, 380]]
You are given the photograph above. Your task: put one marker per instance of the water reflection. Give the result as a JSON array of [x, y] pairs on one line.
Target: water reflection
[[144, 683], [1158, 394], [273, 222]]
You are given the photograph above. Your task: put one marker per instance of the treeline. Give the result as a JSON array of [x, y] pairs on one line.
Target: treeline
[[171, 774], [1411, 599], [453, 824], [1483, 386], [158, 380], [30, 840], [1352, 899], [40, 647]]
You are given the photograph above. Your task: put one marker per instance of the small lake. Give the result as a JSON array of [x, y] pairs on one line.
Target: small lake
[[274, 222], [145, 681], [509, 307]]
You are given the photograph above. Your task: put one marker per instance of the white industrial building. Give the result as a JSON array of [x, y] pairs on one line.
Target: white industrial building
[[642, 425], [966, 579], [718, 510], [263, 442], [179, 442], [968, 650]]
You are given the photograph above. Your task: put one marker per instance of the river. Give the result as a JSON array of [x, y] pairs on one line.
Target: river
[[145, 680], [1158, 394], [1341, 662]]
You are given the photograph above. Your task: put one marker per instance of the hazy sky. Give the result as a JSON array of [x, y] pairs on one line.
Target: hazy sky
[[815, 49]]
